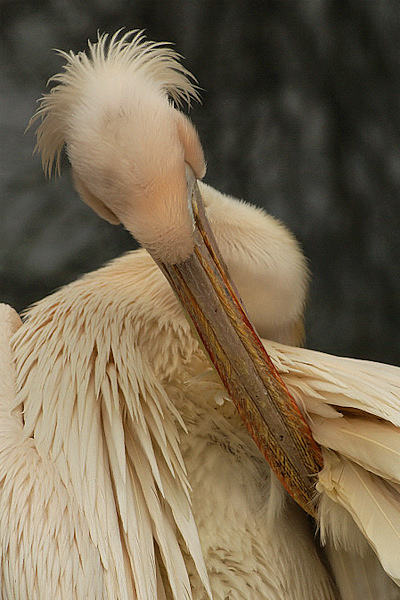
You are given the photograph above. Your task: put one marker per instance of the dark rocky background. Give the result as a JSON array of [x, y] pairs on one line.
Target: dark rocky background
[[300, 114]]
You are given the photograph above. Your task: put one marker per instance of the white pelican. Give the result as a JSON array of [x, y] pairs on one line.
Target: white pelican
[[126, 471]]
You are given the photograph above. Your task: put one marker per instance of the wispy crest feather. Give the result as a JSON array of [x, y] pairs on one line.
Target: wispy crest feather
[[129, 53]]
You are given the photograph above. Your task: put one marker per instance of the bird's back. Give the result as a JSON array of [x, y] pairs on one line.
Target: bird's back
[[115, 472]]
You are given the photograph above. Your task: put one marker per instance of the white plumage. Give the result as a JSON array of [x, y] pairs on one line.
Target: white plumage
[[125, 470]]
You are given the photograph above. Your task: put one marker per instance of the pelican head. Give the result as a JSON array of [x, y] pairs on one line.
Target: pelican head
[[126, 141], [136, 160]]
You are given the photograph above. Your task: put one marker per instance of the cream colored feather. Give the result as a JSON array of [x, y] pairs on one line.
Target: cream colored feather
[[360, 578], [373, 444], [361, 441], [9, 324], [37, 514], [110, 431], [373, 505]]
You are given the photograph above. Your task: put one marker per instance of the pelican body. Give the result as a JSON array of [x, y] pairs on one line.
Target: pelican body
[[126, 470]]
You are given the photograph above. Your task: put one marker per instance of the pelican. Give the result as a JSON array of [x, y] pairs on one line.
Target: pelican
[[137, 405]]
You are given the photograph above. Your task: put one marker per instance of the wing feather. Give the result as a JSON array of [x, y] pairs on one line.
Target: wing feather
[[360, 577], [322, 379], [9, 324], [371, 503], [373, 444], [353, 410], [101, 417]]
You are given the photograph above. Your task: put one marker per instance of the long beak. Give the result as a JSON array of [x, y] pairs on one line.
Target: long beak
[[269, 412]]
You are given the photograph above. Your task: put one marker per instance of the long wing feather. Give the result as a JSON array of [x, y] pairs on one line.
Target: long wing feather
[[373, 505], [322, 381], [360, 577], [44, 539], [9, 324], [99, 413], [354, 413], [373, 444]]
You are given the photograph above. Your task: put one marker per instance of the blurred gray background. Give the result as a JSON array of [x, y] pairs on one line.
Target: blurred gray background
[[300, 114]]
